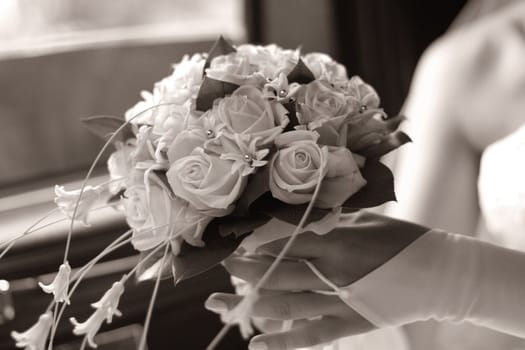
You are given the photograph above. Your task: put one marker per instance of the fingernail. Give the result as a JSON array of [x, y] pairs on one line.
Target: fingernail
[[258, 346], [215, 305]]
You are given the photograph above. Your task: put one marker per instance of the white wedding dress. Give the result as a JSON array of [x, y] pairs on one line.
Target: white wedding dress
[[468, 282]]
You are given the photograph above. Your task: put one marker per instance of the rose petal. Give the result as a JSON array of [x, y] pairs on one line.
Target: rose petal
[[263, 122], [335, 191], [184, 143], [340, 162], [296, 135], [219, 188]]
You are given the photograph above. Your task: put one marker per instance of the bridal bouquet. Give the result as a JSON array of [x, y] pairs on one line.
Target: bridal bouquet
[[229, 141]]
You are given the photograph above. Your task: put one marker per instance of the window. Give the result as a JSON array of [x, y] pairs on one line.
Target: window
[[29, 26], [62, 60]]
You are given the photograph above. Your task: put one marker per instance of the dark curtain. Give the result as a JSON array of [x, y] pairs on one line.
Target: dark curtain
[[381, 40], [254, 18]]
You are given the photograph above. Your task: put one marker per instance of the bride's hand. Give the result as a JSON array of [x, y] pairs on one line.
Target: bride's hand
[[343, 256]]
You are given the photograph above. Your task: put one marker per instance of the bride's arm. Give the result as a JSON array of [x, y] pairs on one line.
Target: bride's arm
[[436, 174]]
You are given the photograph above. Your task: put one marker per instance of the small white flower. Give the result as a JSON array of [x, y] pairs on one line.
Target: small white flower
[[140, 113], [35, 337], [270, 60], [90, 327], [59, 286], [190, 223], [279, 89], [105, 308], [244, 150], [184, 83], [188, 72], [235, 68], [241, 314], [109, 302], [67, 200], [120, 164]]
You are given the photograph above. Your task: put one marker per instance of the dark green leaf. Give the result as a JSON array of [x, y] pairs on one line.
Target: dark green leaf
[[159, 176], [192, 261], [301, 74], [258, 184], [241, 226], [149, 269], [292, 115], [105, 125], [219, 48], [211, 90], [378, 190], [363, 125], [292, 214], [116, 197], [389, 143]]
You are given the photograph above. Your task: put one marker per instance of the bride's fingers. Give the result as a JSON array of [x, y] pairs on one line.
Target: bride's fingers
[[286, 306], [222, 302], [289, 275], [294, 306], [311, 334], [265, 325]]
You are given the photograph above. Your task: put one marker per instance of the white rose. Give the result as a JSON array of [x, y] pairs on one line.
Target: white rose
[[207, 182], [148, 215], [319, 101], [360, 94], [325, 68], [248, 112], [300, 163], [156, 217], [185, 143]]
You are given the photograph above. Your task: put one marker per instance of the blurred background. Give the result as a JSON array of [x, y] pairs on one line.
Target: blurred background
[[61, 60]]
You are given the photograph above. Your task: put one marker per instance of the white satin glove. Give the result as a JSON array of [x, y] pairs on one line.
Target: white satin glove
[[445, 276]]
